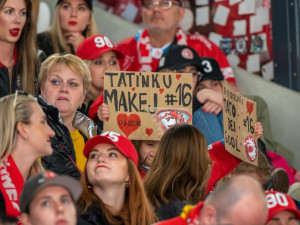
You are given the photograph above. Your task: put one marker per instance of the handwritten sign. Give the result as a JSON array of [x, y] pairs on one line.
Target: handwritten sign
[[143, 105], [239, 118]]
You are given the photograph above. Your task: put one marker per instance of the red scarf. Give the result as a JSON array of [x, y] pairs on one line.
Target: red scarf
[[144, 48], [11, 185]]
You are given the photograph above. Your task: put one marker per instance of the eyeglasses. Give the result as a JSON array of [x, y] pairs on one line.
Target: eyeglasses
[[161, 4], [193, 72]]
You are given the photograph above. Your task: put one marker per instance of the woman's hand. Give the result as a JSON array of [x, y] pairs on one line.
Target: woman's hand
[[258, 129], [102, 112], [74, 39]]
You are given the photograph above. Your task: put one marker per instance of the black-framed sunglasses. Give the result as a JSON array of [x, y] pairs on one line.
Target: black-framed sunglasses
[[161, 4]]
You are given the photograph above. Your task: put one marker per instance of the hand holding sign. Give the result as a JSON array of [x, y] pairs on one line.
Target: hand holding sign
[[239, 118], [143, 105]]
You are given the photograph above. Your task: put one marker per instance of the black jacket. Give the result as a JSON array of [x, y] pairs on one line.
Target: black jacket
[[94, 215], [171, 209], [5, 87], [44, 43], [62, 160]]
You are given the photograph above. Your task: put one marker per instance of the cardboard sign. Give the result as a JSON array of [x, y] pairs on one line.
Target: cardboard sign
[[143, 105], [239, 118]]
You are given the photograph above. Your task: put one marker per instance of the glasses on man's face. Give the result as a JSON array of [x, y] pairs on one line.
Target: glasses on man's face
[[161, 4]]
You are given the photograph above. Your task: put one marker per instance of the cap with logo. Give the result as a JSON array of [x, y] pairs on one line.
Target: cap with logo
[[39, 182], [210, 69], [123, 144], [278, 201], [177, 57], [95, 46], [88, 2]]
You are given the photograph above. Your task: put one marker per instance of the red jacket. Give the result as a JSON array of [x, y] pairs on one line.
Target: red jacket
[[204, 47]]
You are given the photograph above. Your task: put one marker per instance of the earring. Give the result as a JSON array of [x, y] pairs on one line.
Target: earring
[[26, 137], [89, 186], [127, 183]]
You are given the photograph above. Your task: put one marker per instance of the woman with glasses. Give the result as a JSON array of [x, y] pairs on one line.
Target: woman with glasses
[[18, 58], [64, 82], [73, 21], [24, 137]]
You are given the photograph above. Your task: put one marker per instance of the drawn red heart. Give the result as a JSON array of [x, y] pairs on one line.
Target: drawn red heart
[[133, 88], [178, 76], [149, 131], [128, 124], [249, 106], [161, 90], [107, 119]]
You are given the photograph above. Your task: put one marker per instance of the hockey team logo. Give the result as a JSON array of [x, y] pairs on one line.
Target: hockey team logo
[[187, 53], [250, 148], [169, 118]]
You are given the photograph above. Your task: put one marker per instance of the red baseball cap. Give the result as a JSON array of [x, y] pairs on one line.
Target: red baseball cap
[[278, 201], [95, 46], [123, 144], [223, 163]]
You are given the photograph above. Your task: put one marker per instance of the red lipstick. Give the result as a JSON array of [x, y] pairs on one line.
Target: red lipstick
[[14, 32], [72, 23]]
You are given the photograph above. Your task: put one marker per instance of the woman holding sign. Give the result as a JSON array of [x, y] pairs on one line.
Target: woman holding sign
[[100, 54]]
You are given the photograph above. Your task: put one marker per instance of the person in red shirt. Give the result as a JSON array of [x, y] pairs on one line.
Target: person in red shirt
[[161, 19]]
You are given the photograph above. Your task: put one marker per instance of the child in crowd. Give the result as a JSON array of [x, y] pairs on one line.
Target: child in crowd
[[100, 54]]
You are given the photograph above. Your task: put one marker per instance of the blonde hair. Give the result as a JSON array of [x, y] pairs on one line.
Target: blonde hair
[[68, 60], [137, 208], [27, 59], [57, 36], [180, 168], [14, 109]]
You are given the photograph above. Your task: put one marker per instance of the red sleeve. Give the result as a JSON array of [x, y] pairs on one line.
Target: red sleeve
[[94, 107]]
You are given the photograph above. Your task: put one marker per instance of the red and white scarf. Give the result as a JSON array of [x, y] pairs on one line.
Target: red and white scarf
[[144, 49], [11, 185]]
